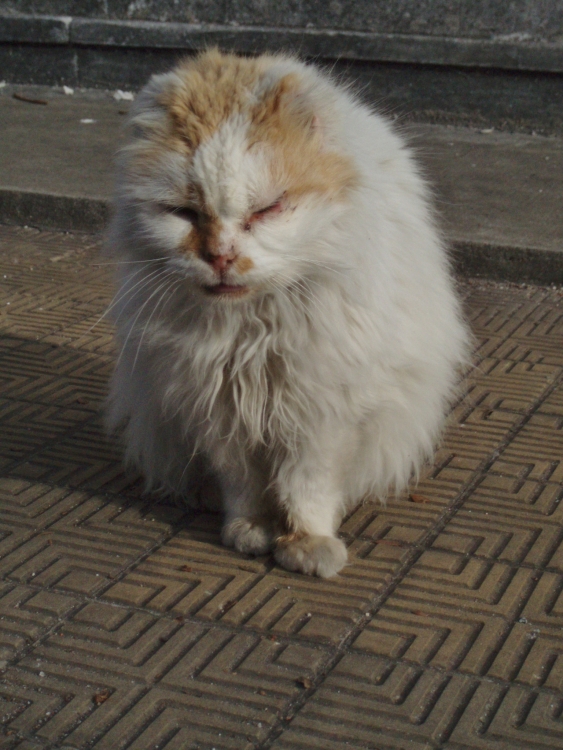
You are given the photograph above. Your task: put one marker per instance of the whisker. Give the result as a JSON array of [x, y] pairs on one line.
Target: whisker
[[132, 327], [307, 293], [121, 295], [127, 262], [167, 289], [321, 264]]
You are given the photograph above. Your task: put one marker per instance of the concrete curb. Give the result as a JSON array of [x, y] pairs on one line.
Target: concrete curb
[[497, 195], [470, 259], [53, 211], [512, 54], [506, 263]]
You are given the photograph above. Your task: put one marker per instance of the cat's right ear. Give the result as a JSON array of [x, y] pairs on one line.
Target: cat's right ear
[[286, 105]]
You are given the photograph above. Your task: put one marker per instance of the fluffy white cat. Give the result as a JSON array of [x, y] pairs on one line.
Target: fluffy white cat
[[285, 314]]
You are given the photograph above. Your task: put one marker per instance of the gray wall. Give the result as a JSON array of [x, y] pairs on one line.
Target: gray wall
[[529, 19], [489, 61]]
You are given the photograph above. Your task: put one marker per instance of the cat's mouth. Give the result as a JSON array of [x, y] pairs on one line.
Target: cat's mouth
[[227, 290]]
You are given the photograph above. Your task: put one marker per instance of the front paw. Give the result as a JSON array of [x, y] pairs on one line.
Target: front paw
[[253, 536], [320, 556]]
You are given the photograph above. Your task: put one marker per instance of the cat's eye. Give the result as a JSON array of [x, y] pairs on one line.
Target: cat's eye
[[182, 212], [273, 208]]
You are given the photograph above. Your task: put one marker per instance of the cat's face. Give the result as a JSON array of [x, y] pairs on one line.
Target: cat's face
[[231, 176]]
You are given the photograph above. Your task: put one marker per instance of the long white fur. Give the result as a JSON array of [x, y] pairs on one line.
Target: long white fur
[[332, 380]]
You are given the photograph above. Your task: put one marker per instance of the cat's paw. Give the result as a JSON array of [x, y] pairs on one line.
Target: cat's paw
[[320, 556], [249, 535]]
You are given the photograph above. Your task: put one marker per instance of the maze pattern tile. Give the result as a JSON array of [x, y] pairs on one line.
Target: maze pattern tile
[[125, 624], [157, 675], [450, 611]]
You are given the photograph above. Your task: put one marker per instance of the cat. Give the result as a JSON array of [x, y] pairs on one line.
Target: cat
[[286, 316]]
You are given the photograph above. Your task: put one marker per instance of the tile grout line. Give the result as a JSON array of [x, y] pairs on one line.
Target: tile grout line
[[341, 649], [163, 541], [430, 536]]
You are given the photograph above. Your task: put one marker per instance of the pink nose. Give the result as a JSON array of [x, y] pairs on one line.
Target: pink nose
[[220, 262]]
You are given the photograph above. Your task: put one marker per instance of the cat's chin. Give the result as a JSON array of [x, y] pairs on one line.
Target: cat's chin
[[227, 291]]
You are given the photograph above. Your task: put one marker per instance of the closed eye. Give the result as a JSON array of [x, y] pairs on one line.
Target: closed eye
[[273, 208], [182, 212]]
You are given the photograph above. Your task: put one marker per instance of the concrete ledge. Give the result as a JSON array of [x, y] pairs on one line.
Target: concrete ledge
[[348, 45], [53, 211], [505, 263], [513, 54], [498, 195], [470, 259], [35, 29]]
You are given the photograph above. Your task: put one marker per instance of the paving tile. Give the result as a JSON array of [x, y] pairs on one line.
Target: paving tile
[[32, 505], [26, 614], [509, 718], [498, 310], [500, 385], [370, 702], [191, 575], [509, 517], [83, 459], [125, 624], [138, 677], [38, 374], [87, 547], [449, 612], [540, 441]]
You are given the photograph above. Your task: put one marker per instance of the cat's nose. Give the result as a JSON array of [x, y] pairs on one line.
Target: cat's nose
[[220, 262]]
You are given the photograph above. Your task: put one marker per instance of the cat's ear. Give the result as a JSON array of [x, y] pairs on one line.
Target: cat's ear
[[285, 106]]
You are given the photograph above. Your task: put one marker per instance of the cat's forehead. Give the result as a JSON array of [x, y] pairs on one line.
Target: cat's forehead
[[203, 93], [266, 105]]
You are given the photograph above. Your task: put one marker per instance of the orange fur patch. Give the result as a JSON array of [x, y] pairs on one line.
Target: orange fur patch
[[287, 539], [301, 161], [215, 86], [243, 264], [204, 237]]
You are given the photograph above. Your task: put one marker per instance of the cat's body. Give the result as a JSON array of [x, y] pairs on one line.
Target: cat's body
[[285, 313]]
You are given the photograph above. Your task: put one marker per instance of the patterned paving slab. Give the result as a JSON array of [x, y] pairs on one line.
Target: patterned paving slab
[[124, 623]]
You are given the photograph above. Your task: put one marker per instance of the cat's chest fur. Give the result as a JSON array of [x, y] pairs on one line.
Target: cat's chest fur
[[249, 378]]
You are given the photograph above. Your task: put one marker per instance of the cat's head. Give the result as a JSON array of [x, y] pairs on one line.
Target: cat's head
[[234, 172]]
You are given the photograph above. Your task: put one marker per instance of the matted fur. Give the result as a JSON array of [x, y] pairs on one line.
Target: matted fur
[[286, 318]]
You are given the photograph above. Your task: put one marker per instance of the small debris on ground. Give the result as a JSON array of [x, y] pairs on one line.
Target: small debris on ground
[[120, 95], [413, 498], [29, 99], [305, 682], [101, 696]]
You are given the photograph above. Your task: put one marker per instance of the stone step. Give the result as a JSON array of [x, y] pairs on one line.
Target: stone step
[[499, 195]]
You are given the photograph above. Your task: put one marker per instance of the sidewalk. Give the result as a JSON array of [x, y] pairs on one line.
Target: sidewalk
[[499, 194], [125, 624]]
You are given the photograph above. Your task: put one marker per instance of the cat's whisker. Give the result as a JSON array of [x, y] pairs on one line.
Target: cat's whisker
[[168, 287], [144, 282], [307, 293], [134, 323], [330, 267], [155, 276], [188, 463], [128, 262], [120, 295], [296, 299]]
